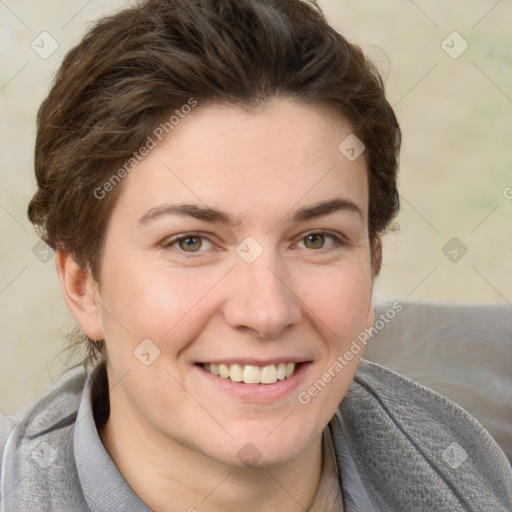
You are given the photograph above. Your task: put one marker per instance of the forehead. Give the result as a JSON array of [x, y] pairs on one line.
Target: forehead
[[249, 162]]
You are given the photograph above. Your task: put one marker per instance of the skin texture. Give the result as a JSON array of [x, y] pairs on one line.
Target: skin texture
[[173, 435]]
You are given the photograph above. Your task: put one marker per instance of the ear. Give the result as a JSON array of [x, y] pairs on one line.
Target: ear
[[81, 294], [376, 248], [376, 262]]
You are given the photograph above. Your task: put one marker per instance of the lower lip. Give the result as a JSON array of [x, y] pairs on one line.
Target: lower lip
[[258, 392]]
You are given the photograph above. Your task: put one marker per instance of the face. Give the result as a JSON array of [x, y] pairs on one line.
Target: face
[[238, 245]]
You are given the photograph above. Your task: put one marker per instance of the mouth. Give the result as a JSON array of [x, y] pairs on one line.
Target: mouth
[[263, 383], [252, 374]]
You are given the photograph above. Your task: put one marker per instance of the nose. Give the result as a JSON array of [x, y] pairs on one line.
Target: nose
[[261, 297]]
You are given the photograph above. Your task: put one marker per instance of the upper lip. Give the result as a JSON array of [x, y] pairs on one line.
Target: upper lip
[[256, 362]]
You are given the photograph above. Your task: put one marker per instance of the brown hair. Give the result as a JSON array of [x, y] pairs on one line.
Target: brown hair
[[136, 67]]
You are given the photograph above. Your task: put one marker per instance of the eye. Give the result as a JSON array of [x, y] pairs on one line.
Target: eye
[[318, 239], [189, 242]]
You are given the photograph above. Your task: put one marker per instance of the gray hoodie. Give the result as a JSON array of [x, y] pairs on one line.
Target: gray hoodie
[[398, 447]]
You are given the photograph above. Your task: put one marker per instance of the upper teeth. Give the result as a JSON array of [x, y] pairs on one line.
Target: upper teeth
[[251, 374]]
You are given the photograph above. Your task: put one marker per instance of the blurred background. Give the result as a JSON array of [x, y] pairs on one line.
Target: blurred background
[[448, 72]]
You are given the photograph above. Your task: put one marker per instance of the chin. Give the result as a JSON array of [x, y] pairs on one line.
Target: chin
[[262, 448]]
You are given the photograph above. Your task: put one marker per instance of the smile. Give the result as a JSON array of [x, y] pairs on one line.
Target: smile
[[252, 374]]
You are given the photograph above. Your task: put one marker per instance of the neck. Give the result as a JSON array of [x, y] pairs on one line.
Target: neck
[[167, 475]]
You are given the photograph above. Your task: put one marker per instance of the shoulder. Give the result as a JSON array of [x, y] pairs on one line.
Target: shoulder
[[56, 404], [411, 438], [6, 425], [54, 410]]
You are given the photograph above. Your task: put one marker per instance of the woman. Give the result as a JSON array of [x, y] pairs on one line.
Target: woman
[[215, 177]]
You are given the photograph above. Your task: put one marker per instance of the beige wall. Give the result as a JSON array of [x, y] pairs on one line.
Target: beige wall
[[456, 162]]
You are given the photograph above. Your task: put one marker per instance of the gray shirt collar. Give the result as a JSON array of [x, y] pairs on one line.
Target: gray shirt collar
[[103, 486]]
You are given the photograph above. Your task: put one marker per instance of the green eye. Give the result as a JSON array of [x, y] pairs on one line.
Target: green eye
[[314, 241], [320, 240], [190, 243]]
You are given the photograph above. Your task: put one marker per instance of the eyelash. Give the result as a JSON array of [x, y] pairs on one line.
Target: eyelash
[[169, 243]]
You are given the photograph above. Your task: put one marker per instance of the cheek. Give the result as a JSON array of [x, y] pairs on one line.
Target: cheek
[[158, 312], [339, 298], [153, 301], [342, 309]]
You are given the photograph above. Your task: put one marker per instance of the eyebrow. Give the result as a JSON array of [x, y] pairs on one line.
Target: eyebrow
[[314, 211]]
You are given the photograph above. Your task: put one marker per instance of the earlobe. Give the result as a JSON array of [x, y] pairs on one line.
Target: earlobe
[[80, 293]]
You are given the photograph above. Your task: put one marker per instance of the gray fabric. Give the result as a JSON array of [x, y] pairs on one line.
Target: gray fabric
[[38, 467], [461, 350], [103, 486], [328, 497], [6, 425], [354, 493], [397, 432], [388, 438]]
